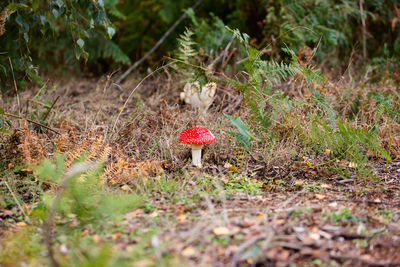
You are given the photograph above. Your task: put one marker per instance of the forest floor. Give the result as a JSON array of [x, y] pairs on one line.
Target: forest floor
[[270, 208]]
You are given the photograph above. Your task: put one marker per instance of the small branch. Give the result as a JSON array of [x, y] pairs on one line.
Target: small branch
[[364, 40], [365, 201], [31, 121], [357, 258], [17, 201], [247, 244], [51, 107], [168, 32], [15, 86]]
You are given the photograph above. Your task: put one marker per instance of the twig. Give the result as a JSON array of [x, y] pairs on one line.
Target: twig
[[367, 262], [15, 86], [245, 245], [168, 32], [16, 200], [364, 40], [31, 121], [48, 223], [51, 107], [365, 201], [227, 59], [224, 53]]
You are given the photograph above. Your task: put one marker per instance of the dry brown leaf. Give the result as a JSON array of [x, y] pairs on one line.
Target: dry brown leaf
[[189, 252], [221, 231]]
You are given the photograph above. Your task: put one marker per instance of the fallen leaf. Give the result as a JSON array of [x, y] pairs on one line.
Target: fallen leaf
[[153, 214], [221, 231], [21, 224], [333, 204], [366, 257], [260, 216], [126, 188], [279, 222], [319, 196], [116, 236], [85, 232], [314, 236], [96, 238], [6, 213], [225, 179], [182, 218], [278, 254], [189, 252], [134, 214]]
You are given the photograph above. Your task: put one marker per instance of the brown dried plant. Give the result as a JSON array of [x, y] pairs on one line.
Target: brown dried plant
[[3, 18], [119, 168], [31, 147]]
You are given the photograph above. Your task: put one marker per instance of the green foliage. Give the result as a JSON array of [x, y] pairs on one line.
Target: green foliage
[[84, 196], [347, 142], [343, 215], [243, 184], [384, 106], [45, 31], [244, 135], [262, 75]]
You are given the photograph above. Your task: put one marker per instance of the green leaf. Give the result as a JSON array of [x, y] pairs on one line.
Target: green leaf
[[242, 139], [35, 4], [110, 31], [14, 6], [99, 17], [1, 111], [243, 129], [80, 42]]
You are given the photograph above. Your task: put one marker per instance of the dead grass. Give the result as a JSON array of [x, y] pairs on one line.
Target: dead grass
[[208, 217]]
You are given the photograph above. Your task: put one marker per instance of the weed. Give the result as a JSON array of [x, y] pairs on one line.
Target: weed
[[299, 211], [245, 184], [219, 240], [313, 187], [387, 214], [343, 215]]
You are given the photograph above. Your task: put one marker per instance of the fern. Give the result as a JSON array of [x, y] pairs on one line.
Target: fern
[[342, 139], [262, 75], [112, 50], [188, 58]]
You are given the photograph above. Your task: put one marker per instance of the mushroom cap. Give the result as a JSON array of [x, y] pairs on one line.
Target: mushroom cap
[[196, 135]]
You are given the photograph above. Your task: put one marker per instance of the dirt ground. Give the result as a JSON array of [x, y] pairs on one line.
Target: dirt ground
[[263, 209]]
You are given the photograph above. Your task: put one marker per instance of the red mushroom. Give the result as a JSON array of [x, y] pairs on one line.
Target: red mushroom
[[196, 137]]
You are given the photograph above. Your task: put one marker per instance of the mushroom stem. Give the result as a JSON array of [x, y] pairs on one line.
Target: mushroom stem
[[196, 155]]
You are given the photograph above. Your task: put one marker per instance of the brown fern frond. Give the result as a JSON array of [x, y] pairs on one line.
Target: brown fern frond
[[30, 145], [3, 18]]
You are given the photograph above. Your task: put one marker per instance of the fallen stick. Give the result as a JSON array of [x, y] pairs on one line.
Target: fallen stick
[[140, 61], [364, 201], [31, 121]]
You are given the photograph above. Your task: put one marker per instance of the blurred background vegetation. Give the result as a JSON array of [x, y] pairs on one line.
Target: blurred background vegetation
[[98, 36]]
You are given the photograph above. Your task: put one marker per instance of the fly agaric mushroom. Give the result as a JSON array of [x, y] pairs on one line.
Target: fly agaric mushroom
[[196, 137]]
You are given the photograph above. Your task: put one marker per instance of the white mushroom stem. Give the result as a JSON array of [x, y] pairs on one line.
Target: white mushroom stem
[[196, 155]]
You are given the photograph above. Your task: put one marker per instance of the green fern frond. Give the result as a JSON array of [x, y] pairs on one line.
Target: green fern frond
[[186, 52], [313, 75], [112, 50]]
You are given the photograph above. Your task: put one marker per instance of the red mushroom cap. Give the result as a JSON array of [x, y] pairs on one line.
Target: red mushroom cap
[[196, 135]]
